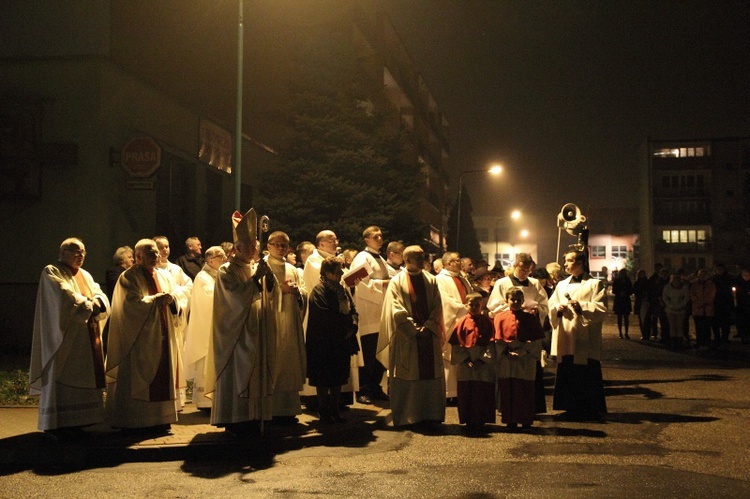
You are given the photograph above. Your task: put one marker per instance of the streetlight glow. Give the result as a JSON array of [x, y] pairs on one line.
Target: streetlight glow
[[515, 215], [494, 170]]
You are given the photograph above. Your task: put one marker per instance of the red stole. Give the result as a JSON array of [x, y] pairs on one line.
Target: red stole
[[158, 391], [461, 287], [95, 337], [420, 314]]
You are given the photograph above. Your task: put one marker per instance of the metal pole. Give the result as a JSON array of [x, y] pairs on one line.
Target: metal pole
[[238, 125], [458, 215]]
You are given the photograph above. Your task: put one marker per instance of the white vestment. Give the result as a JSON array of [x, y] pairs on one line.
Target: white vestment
[[134, 351], [62, 358], [241, 379], [284, 314], [574, 334], [183, 289], [414, 396], [198, 334], [533, 295], [454, 309]]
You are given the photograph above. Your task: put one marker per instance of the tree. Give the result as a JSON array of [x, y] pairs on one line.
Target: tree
[[341, 167], [469, 244]]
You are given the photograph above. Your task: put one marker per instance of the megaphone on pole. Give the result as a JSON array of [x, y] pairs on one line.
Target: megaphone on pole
[[571, 219]]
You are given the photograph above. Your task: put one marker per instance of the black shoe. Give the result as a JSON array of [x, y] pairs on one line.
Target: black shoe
[[381, 395], [364, 399], [69, 433], [284, 421]]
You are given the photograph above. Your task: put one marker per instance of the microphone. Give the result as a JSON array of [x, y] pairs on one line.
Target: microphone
[[338, 250]]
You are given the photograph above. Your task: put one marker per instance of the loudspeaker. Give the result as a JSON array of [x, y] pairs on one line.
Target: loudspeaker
[[571, 219]]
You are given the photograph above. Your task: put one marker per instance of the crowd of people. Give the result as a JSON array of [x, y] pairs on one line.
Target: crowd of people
[[664, 302], [264, 332]]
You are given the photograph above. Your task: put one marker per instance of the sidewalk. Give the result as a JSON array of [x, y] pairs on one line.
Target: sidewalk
[[192, 437]]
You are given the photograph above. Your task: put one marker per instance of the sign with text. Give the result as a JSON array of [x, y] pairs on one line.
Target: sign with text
[[141, 157], [215, 146]]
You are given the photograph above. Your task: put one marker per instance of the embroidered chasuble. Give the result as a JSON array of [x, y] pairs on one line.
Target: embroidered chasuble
[[94, 334], [158, 390], [418, 298]]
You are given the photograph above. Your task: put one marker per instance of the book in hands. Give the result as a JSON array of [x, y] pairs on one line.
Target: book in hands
[[357, 273]]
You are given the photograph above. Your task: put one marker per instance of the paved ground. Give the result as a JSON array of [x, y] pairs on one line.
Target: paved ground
[[22, 446]]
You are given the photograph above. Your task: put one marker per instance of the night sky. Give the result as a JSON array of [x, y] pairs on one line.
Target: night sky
[[564, 93]]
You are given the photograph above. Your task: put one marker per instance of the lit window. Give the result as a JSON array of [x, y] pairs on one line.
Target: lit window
[[674, 236], [683, 236], [598, 252], [701, 234], [665, 236], [699, 151], [619, 251], [691, 236]]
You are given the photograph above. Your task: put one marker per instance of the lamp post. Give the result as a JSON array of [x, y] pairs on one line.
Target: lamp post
[[238, 125], [495, 170]]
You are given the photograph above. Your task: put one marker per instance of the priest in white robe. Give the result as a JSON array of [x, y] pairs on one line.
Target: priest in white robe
[[241, 384], [283, 313], [453, 290], [368, 300], [183, 289], [200, 325], [67, 365], [578, 310], [142, 358], [411, 339]]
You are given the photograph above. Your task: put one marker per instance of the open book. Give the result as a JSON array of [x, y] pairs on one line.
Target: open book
[[356, 273]]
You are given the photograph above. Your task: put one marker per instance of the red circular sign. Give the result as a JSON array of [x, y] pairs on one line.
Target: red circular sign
[[141, 157]]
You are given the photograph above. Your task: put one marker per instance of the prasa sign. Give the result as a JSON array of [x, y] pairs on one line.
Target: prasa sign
[[141, 157]]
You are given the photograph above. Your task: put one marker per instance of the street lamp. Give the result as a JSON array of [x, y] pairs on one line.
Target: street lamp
[[494, 170]]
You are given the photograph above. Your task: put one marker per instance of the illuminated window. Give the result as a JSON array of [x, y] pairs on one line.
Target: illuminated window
[[619, 251], [684, 236], [681, 152], [598, 252]]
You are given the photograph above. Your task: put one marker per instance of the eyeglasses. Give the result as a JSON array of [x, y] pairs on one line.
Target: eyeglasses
[[279, 245]]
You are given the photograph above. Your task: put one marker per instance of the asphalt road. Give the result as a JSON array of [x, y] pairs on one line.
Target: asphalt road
[[678, 426]]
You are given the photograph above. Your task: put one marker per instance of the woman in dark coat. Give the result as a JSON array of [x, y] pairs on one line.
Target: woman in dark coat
[[622, 288], [331, 338]]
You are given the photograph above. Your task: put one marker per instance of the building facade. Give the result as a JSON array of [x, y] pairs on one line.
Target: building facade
[[80, 80], [699, 203]]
